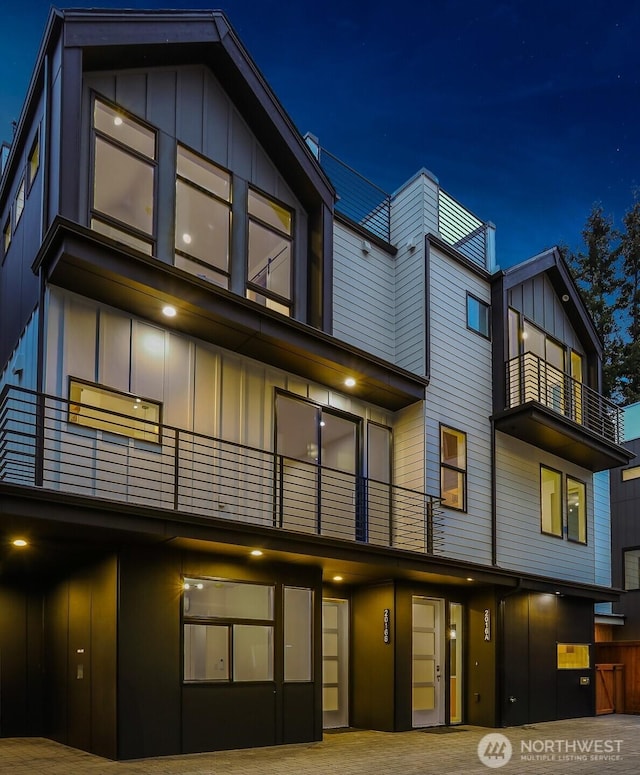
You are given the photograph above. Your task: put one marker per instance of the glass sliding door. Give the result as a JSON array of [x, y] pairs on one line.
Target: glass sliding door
[[338, 492]]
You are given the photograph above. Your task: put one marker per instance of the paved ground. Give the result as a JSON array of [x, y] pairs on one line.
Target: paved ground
[[607, 744]]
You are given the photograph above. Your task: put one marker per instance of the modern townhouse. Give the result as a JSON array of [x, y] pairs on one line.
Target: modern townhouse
[[283, 453]]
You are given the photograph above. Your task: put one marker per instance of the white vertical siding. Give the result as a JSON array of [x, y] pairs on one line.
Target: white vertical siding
[[363, 294], [521, 544], [459, 396]]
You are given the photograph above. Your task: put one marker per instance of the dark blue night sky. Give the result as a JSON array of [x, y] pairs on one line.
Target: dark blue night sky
[[527, 112]]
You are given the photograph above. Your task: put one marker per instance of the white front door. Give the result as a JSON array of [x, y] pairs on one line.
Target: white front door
[[335, 663], [427, 666]]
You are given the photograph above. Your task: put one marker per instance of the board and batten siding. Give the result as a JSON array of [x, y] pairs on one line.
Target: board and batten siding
[[363, 294], [602, 526], [460, 396], [202, 388], [521, 545]]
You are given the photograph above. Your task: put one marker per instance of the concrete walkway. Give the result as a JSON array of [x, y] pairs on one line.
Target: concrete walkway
[[607, 744]]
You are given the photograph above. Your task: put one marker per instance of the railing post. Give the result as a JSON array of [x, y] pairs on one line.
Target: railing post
[[429, 520], [38, 473], [176, 468]]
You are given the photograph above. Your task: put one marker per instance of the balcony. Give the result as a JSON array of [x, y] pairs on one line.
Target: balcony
[[548, 408], [42, 445]]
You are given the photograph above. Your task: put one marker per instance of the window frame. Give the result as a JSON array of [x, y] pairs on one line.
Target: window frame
[[228, 204], [483, 305], [7, 234], [633, 478], [230, 622], [31, 173], [19, 202], [625, 551], [72, 413], [586, 511], [448, 467], [562, 494], [287, 303], [104, 218]]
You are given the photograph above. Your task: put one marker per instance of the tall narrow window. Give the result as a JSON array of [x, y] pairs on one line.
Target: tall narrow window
[[6, 234], [298, 613], [34, 161], [576, 510], [628, 474], [20, 196], [123, 177], [453, 468], [203, 217], [270, 253], [551, 501]]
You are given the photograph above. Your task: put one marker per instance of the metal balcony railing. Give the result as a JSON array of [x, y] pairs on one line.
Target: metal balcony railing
[[461, 229], [359, 199], [530, 378], [44, 444]]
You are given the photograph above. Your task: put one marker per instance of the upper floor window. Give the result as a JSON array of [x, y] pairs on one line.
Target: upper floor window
[[109, 410], [19, 202], [453, 468], [478, 315], [33, 162], [6, 234], [557, 504], [270, 250], [576, 510], [628, 474], [203, 217], [632, 569], [124, 165]]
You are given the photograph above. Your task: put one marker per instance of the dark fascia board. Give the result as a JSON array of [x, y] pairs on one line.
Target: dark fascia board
[[128, 519], [117, 39], [91, 265], [550, 262], [451, 252]]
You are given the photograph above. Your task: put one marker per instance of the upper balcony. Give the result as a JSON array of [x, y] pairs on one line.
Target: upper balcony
[[58, 446], [550, 409]]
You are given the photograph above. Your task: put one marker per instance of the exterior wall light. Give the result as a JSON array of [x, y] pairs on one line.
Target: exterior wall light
[[20, 542], [169, 311], [349, 382]]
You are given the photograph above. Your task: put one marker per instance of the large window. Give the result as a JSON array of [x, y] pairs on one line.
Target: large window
[[576, 510], [228, 630], [478, 315], [551, 501], [123, 177], [629, 474], [108, 410], [269, 253], [632, 569], [453, 468], [203, 217]]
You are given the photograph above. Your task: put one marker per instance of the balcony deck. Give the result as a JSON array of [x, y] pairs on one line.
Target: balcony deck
[[42, 445], [548, 408]]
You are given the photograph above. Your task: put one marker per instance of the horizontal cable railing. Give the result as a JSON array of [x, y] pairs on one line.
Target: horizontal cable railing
[[461, 229], [360, 200], [49, 442], [530, 378]]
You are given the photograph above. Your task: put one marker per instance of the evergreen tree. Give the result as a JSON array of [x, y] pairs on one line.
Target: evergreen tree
[[596, 272], [630, 304]]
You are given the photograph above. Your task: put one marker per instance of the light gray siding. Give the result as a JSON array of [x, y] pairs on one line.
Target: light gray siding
[[602, 527], [459, 396], [21, 368], [363, 294], [521, 544]]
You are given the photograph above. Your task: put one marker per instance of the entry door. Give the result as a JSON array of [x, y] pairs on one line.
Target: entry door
[[427, 666], [335, 663]]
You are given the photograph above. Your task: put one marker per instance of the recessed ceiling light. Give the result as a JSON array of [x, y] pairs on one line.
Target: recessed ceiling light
[[169, 311], [19, 542], [337, 578], [187, 585], [469, 578], [256, 553], [118, 120], [349, 382]]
